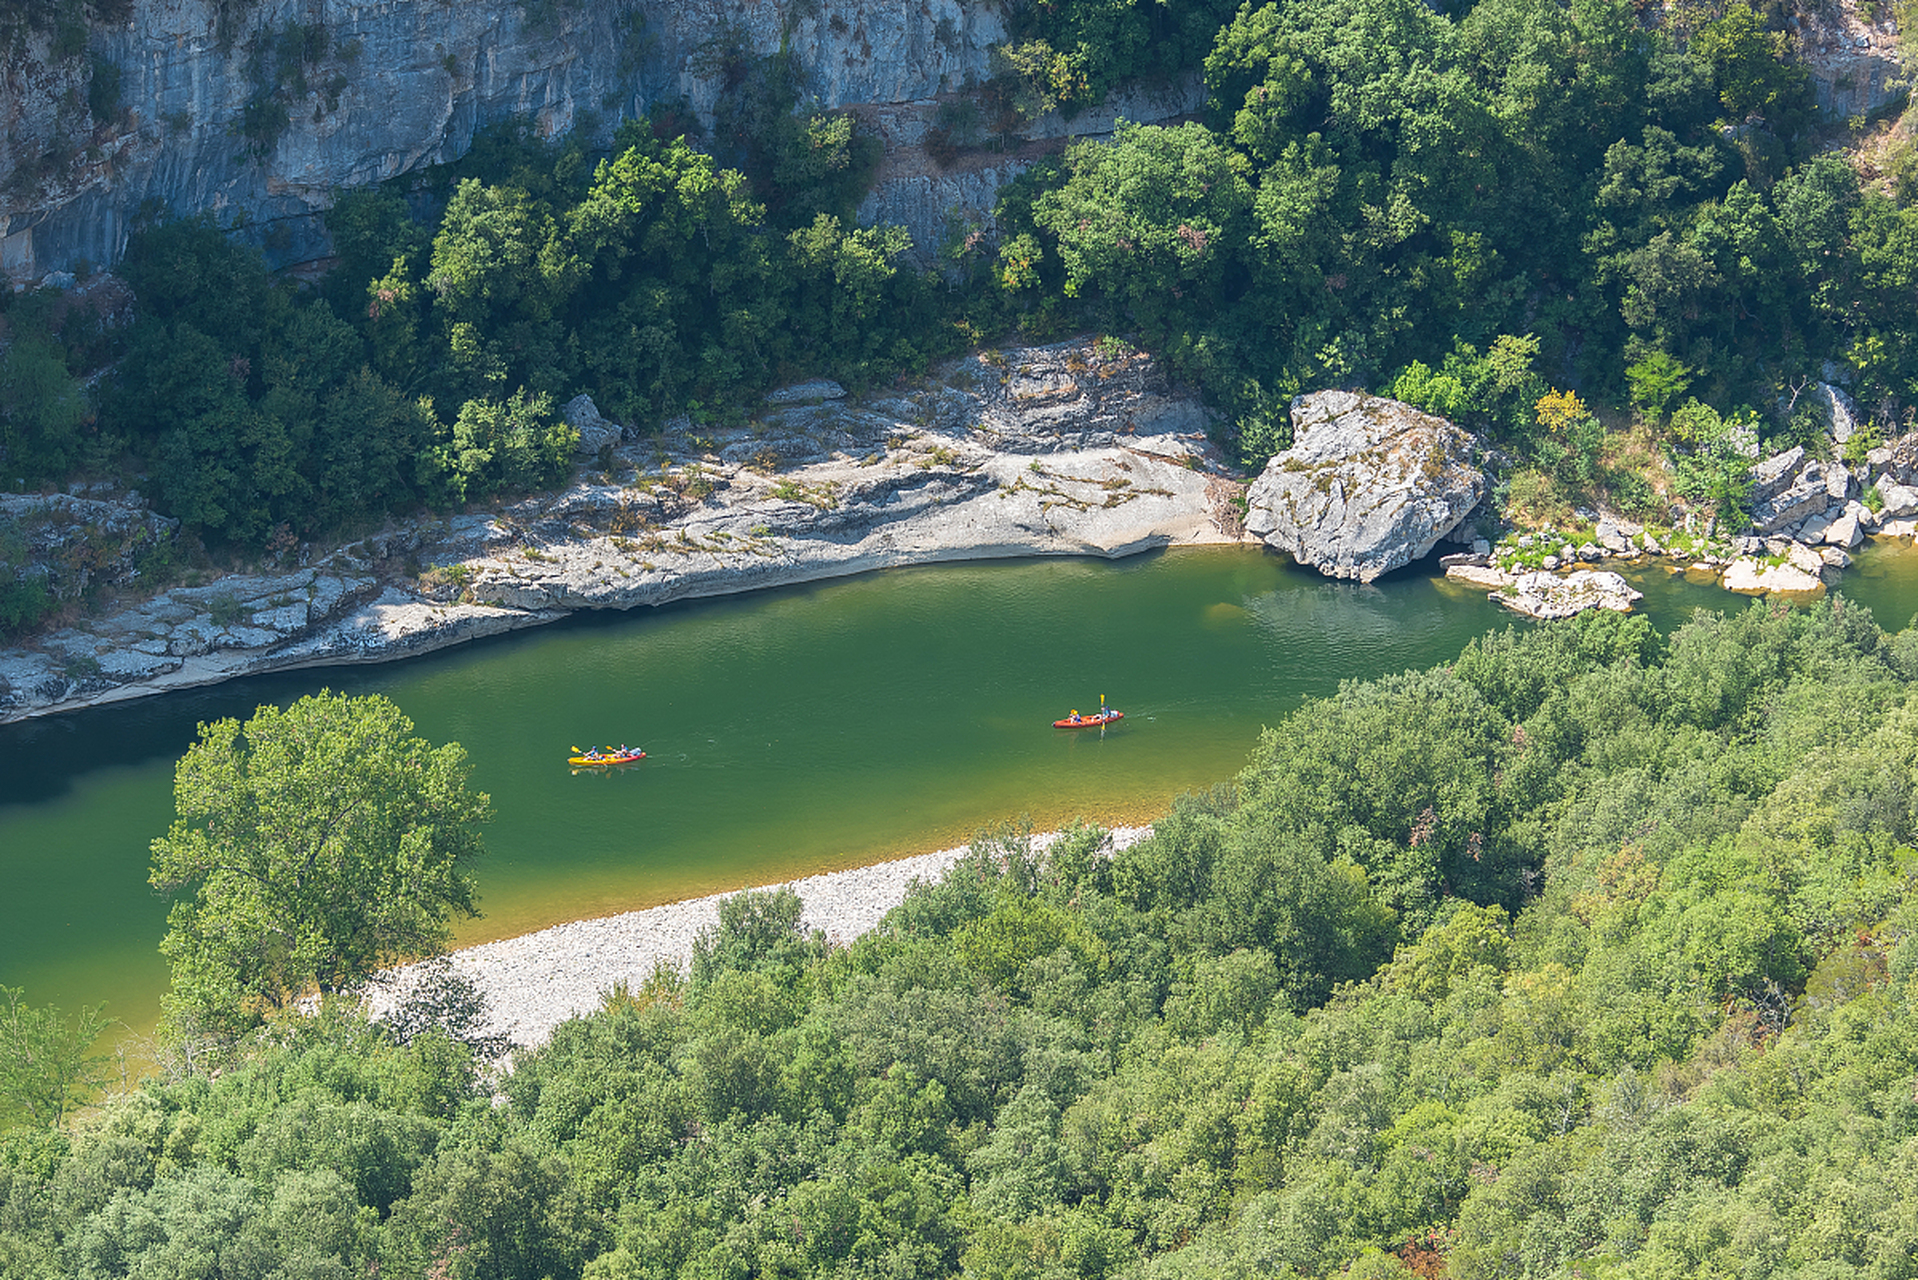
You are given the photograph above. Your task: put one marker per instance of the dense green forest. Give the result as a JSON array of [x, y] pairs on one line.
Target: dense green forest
[[1590, 953], [1470, 207]]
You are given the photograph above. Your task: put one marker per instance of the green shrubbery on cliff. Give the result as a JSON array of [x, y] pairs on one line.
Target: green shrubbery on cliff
[[431, 366], [1378, 183], [1589, 952]]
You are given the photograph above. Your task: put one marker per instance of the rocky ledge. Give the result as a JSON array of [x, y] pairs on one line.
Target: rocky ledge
[[1077, 448], [1541, 593], [1369, 485]]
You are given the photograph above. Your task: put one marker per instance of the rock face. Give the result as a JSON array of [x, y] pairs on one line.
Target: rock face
[[1070, 449], [74, 543], [932, 200], [1853, 60], [1789, 491], [812, 391], [1894, 470], [261, 110], [1369, 485]]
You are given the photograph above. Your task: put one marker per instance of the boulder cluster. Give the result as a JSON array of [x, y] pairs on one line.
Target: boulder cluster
[[1370, 485]]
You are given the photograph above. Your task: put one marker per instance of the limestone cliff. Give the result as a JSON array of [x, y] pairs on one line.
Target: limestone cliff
[[259, 109]]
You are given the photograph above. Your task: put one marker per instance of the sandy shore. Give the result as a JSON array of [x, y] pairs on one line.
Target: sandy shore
[[538, 980]]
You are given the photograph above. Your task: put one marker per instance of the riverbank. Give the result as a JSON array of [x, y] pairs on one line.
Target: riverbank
[[534, 982], [1080, 448]]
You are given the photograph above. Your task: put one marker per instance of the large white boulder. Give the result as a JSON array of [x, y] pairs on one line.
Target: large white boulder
[[1369, 485]]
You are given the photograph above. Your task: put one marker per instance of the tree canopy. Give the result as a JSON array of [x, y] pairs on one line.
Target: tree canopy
[[1592, 949], [315, 844]]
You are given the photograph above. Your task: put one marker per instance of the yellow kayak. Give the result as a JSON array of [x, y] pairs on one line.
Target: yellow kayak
[[605, 757]]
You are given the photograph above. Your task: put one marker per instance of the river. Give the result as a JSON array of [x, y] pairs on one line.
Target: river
[[791, 731]]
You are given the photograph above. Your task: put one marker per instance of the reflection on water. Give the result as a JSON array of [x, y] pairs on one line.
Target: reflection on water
[[788, 732], [1321, 633]]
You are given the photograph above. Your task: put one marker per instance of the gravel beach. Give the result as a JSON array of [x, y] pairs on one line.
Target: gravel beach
[[536, 981]]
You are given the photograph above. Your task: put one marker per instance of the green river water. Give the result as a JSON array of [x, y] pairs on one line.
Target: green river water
[[790, 731]]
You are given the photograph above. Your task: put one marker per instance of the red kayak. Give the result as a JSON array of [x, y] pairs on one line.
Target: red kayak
[[1077, 721]]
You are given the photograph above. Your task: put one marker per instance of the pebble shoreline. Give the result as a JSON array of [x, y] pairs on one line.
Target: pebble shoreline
[[538, 980]]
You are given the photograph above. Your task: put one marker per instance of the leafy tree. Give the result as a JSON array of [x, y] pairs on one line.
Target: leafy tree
[[41, 410], [47, 1063], [500, 270], [188, 270], [1656, 381], [847, 294], [1654, 1015], [512, 444], [1747, 63], [440, 998], [683, 299], [1078, 49], [1153, 220], [1716, 467], [319, 842]]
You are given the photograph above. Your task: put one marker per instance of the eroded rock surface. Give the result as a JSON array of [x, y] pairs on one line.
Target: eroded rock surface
[[1369, 485], [263, 110], [1550, 595], [1071, 449], [1756, 577], [595, 432]]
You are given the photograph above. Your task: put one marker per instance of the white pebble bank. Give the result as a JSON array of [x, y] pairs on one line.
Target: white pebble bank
[[536, 981]]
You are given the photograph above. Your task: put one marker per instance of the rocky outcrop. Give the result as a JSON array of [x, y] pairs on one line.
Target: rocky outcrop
[[1775, 474], [1757, 577], [1894, 473], [261, 110], [76, 544], [946, 197], [1540, 593], [1852, 59], [1071, 449], [1797, 492], [1550, 595], [595, 432], [1369, 485]]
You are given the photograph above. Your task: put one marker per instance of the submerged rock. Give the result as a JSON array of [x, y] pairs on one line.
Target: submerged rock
[[1369, 485]]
